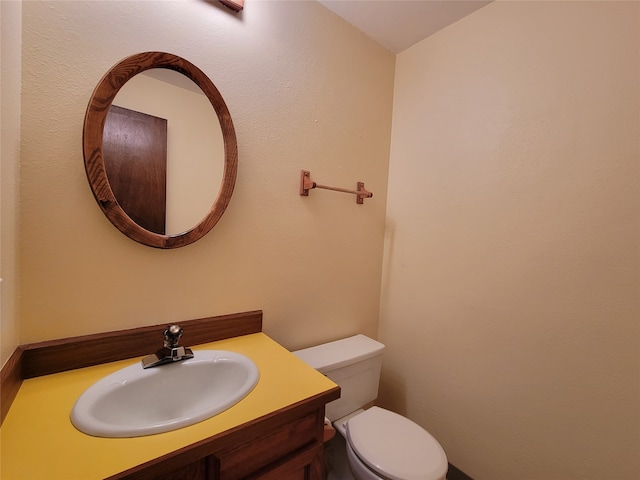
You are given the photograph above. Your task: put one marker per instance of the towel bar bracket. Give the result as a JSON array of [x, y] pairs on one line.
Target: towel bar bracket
[[307, 184]]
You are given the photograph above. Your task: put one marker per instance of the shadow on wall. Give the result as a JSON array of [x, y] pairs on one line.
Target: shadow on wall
[[387, 260], [393, 392]]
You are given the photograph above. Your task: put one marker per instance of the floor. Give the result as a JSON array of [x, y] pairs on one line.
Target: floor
[[335, 456]]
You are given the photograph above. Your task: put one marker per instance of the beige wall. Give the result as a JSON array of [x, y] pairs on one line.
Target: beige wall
[[510, 303], [509, 298], [10, 43], [305, 90]]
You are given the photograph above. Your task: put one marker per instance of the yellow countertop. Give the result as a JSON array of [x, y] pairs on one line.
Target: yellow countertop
[[38, 441]]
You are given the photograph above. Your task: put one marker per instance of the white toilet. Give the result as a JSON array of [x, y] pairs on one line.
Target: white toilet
[[381, 445]]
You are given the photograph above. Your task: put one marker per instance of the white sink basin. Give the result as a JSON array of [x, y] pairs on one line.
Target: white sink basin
[[133, 401]]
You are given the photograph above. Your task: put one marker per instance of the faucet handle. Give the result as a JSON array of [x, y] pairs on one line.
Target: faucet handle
[[172, 336]]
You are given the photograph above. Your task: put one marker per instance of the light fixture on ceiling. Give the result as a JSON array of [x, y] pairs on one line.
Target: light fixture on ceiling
[[236, 5]]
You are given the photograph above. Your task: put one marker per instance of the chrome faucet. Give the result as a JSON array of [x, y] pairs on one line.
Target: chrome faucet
[[171, 351]]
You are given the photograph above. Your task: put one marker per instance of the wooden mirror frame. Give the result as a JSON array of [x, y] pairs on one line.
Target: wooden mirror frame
[[94, 122]]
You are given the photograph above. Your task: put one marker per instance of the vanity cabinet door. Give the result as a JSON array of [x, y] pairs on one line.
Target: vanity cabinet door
[[303, 465], [286, 446], [194, 471], [281, 448]]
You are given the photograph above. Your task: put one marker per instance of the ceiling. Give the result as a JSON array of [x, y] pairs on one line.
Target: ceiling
[[398, 24]]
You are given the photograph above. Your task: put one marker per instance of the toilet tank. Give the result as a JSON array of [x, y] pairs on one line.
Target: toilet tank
[[353, 363]]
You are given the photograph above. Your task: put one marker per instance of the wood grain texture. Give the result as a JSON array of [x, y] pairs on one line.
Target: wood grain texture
[[241, 459], [300, 465], [230, 454], [77, 352], [134, 150], [10, 381], [94, 121], [236, 5]]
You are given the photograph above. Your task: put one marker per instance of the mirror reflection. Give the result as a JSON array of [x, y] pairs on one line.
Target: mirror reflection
[[163, 151], [200, 175]]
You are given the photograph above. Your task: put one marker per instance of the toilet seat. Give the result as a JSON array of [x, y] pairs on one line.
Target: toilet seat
[[395, 447]]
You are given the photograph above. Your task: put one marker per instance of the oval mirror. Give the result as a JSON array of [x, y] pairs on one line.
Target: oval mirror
[[161, 167]]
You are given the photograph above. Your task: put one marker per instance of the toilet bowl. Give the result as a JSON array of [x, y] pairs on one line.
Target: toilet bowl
[[381, 445], [384, 445]]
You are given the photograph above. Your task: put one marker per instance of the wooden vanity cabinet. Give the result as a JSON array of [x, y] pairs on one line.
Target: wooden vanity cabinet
[[286, 445]]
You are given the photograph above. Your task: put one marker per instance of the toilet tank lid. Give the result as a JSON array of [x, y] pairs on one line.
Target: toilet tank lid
[[337, 354]]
